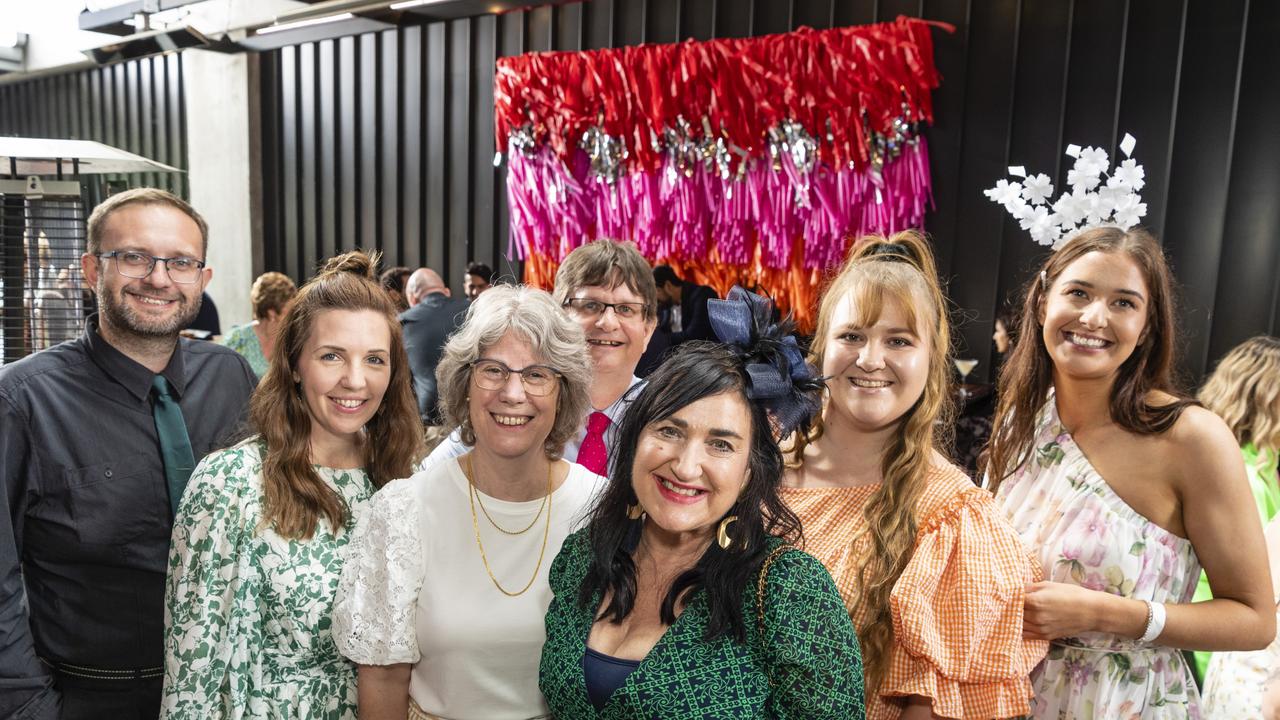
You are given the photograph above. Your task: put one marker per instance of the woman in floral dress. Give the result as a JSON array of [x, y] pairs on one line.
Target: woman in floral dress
[[268, 296], [1123, 488], [258, 539]]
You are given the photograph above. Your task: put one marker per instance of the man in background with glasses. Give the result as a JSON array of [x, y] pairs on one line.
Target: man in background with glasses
[[97, 439], [607, 287]]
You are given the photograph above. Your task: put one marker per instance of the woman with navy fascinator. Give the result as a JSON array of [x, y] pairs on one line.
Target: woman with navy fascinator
[[685, 595]]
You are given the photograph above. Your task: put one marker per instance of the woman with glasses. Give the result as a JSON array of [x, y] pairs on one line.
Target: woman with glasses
[[605, 287], [443, 596]]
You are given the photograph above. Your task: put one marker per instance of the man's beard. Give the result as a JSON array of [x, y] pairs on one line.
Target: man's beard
[[116, 311]]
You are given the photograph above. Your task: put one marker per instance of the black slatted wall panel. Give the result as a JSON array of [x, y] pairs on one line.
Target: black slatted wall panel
[[135, 106], [386, 140]]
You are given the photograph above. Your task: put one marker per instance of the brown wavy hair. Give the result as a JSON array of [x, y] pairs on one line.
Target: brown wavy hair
[[295, 498], [1244, 390], [879, 269], [1027, 374]]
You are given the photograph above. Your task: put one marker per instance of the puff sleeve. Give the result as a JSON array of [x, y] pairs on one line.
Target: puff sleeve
[[957, 615], [373, 615], [814, 663]]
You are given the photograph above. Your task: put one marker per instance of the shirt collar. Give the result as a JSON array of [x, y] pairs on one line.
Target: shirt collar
[[619, 406], [126, 371]]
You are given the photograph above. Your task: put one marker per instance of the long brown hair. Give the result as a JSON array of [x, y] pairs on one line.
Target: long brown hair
[[1028, 372], [295, 498], [900, 268]]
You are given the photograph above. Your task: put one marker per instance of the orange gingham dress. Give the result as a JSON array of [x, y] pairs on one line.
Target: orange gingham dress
[[957, 607]]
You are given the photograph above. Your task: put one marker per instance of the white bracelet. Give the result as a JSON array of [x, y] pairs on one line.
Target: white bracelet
[[1155, 621]]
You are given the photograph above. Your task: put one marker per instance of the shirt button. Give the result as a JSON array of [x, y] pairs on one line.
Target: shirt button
[[107, 473]]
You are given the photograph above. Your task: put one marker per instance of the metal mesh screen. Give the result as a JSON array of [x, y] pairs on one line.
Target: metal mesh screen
[[44, 299]]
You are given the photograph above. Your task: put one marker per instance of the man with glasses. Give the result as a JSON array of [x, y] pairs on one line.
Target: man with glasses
[[97, 439], [608, 288]]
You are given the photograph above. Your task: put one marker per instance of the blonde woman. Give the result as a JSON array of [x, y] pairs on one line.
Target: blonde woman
[[930, 571], [1244, 391], [270, 293]]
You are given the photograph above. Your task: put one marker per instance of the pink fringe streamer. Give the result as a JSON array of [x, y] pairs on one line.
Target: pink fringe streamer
[[670, 216]]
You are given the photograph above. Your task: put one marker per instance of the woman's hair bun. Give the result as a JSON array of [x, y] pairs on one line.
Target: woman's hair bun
[[355, 262]]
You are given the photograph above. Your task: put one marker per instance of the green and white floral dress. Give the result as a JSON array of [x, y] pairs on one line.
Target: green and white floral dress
[[247, 612]]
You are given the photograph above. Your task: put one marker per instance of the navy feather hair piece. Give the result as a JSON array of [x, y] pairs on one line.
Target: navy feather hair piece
[[778, 377]]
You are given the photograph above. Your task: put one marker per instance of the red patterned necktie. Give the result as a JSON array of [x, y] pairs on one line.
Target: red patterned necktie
[[592, 454]]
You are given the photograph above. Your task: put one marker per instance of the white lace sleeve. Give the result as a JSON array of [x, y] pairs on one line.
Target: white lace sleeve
[[373, 616]]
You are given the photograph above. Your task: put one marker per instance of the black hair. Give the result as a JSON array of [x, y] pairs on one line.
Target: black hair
[[480, 270], [694, 371], [663, 274], [1005, 315], [393, 278]]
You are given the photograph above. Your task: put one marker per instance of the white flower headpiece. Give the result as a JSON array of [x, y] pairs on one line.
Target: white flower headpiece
[[1096, 197]]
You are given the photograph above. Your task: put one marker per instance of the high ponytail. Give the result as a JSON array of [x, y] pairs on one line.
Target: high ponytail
[[898, 268]]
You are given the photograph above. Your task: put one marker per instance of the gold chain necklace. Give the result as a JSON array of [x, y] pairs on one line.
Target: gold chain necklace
[[475, 526], [470, 473]]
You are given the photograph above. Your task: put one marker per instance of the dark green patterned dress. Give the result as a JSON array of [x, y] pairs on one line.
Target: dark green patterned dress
[[809, 651]]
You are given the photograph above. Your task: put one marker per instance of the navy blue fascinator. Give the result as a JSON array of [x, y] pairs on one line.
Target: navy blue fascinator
[[779, 379]]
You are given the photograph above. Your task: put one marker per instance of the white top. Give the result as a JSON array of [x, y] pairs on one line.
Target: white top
[[452, 446], [475, 651]]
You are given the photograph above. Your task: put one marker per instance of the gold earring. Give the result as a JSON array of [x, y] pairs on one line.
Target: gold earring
[[635, 512], [722, 534]]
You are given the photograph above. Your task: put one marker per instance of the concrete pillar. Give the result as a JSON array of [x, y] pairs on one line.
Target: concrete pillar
[[223, 152]]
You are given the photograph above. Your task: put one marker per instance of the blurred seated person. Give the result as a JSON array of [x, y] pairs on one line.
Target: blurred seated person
[[683, 306], [256, 340], [205, 326]]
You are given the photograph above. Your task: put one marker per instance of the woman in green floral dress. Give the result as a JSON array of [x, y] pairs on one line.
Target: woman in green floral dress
[[258, 539], [270, 293], [680, 599]]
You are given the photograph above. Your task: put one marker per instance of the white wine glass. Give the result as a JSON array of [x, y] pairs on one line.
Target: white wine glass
[[964, 366]]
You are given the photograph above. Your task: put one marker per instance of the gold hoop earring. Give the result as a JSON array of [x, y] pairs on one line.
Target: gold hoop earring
[[722, 533], [635, 512]]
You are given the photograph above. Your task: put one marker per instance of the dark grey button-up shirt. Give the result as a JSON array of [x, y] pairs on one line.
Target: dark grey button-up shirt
[[84, 516]]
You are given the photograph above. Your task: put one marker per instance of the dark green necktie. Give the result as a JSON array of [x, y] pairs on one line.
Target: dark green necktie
[[175, 444]]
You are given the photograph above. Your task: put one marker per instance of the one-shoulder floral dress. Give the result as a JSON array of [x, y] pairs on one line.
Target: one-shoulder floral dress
[[1084, 534]]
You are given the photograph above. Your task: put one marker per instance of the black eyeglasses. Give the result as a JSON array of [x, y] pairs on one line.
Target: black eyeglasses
[[493, 375], [137, 265], [588, 308]]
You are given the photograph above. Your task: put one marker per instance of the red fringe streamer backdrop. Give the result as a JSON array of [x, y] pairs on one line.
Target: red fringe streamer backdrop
[[750, 161]]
